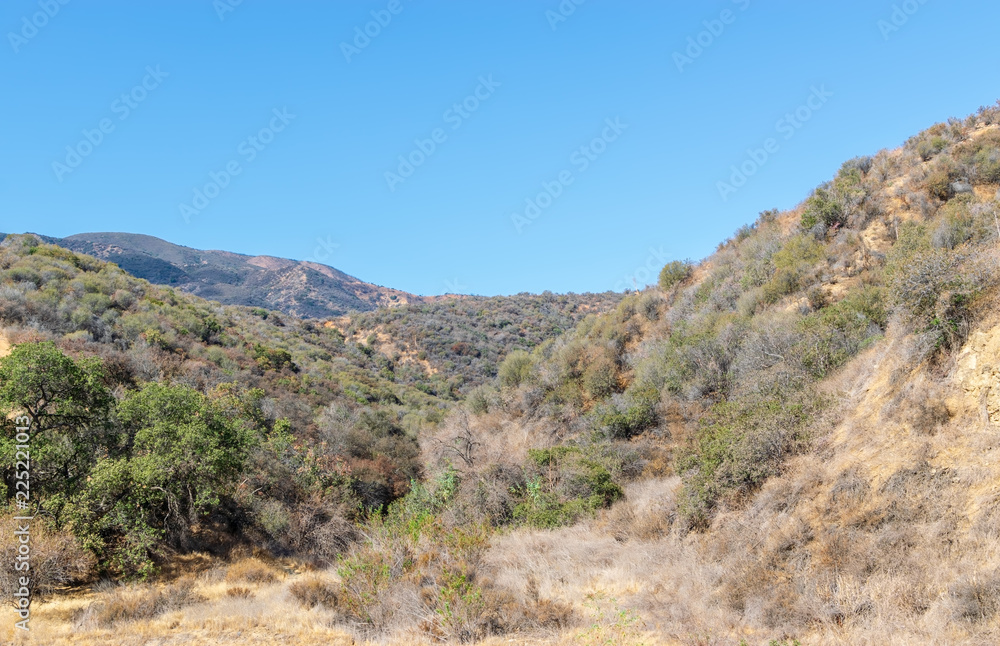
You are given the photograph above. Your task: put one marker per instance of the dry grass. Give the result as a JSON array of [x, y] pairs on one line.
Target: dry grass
[[240, 592], [56, 560], [885, 534], [253, 570], [127, 604], [314, 590]]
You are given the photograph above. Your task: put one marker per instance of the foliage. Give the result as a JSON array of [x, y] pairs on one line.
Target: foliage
[[628, 415], [799, 254], [822, 208], [981, 158], [516, 369], [674, 273], [739, 444], [835, 334], [935, 288], [563, 485], [611, 624], [67, 403]]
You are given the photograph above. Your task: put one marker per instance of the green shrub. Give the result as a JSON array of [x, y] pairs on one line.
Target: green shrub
[[674, 273], [930, 146], [935, 288], [822, 208], [838, 332], [783, 283], [600, 379], [939, 182], [516, 369], [955, 226], [981, 157], [479, 400], [564, 486], [695, 359], [273, 358], [737, 447], [799, 254], [628, 415]]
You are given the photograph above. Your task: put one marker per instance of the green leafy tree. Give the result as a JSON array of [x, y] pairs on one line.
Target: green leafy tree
[[69, 406], [187, 452]]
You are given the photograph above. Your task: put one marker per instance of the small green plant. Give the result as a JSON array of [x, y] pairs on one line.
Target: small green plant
[[611, 624], [738, 446], [365, 576]]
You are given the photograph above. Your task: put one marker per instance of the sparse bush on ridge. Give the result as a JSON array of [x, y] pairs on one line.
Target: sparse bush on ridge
[[980, 157], [674, 273], [935, 288]]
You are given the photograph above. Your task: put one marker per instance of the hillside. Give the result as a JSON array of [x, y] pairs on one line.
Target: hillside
[[792, 441], [299, 288]]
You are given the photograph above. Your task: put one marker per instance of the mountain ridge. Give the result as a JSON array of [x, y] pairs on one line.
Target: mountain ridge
[[300, 288]]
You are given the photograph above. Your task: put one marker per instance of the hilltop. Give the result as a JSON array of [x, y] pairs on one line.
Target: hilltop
[[300, 288]]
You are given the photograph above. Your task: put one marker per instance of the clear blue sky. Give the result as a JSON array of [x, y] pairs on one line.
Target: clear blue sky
[[648, 195]]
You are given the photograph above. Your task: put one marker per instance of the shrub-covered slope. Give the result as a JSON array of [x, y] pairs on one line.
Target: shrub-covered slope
[[298, 427], [802, 421], [795, 438]]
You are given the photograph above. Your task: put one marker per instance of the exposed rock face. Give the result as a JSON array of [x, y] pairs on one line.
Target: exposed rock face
[[977, 371]]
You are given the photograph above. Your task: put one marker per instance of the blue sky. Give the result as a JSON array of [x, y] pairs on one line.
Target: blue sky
[[619, 200]]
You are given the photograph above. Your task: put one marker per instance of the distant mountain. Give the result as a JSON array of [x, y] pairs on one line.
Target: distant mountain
[[299, 288]]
